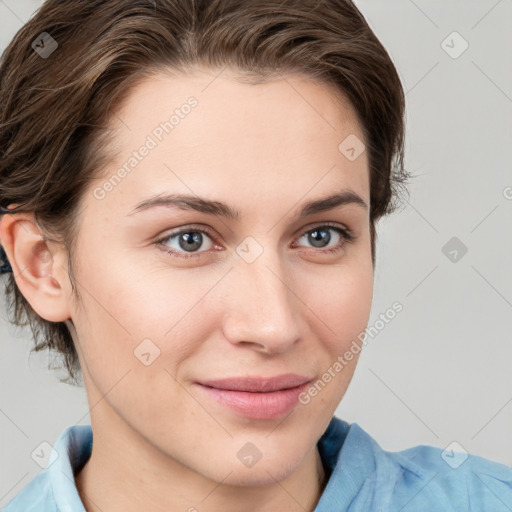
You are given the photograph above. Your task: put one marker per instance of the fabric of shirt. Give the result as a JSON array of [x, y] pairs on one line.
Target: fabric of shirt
[[362, 477]]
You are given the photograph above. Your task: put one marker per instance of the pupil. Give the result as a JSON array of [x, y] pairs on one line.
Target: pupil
[[191, 241], [318, 236]]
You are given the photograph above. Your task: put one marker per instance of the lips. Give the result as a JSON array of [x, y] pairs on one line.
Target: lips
[[257, 384], [261, 398]]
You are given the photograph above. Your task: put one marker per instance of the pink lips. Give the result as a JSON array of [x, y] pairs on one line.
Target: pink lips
[[257, 397]]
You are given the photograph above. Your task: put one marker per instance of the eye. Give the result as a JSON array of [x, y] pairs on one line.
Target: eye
[[320, 237], [185, 241]]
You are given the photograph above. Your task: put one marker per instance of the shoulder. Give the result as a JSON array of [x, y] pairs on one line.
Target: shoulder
[[36, 495], [366, 477], [468, 482], [53, 489]]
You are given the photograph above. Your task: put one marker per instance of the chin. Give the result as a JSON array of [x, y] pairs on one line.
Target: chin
[[261, 476], [276, 467]]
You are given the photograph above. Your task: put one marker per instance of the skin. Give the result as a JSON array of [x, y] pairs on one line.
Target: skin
[[160, 444]]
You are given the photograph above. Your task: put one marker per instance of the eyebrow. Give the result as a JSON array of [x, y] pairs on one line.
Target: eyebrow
[[196, 203]]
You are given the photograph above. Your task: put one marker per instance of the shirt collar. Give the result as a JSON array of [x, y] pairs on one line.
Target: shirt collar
[[348, 453], [73, 449], [341, 441]]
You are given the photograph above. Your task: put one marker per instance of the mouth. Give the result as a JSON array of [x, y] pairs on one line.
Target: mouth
[[256, 397], [258, 384]]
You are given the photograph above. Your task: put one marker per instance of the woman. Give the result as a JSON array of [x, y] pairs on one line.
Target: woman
[[190, 193]]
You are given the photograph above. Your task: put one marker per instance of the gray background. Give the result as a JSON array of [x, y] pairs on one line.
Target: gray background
[[441, 371]]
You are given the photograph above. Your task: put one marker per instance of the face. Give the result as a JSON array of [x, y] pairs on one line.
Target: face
[[174, 297]]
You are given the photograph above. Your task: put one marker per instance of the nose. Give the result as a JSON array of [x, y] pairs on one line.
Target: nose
[[263, 308]]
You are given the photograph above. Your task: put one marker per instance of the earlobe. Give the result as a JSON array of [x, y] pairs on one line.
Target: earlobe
[[37, 266]]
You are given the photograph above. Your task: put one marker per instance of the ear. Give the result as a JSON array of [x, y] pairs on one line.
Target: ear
[[39, 267]]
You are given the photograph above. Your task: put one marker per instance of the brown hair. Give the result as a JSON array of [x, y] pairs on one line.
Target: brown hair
[[54, 111]]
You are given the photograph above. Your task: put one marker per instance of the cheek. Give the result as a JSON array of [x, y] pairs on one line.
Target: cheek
[[133, 343], [341, 300], [153, 321], [340, 313]]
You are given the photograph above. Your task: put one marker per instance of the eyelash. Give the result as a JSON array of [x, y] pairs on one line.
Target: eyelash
[[346, 236]]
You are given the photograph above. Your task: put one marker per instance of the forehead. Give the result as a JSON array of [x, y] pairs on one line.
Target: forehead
[[206, 130]]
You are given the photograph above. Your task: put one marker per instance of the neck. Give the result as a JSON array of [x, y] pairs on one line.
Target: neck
[[127, 473]]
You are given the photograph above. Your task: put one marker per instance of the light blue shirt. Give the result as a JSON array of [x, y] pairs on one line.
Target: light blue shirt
[[362, 477]]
